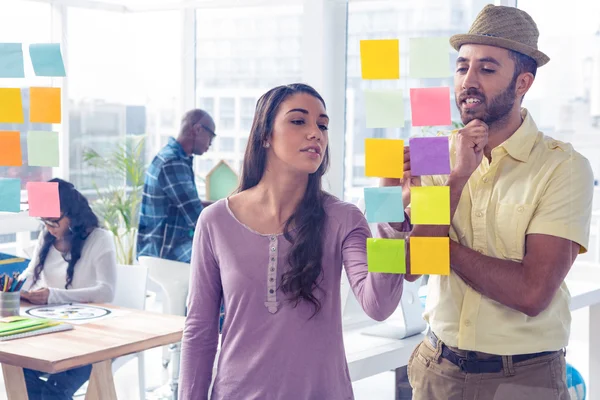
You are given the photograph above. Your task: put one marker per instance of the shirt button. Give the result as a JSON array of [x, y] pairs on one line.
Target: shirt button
[[467, 322], [271, 291], [480, 251], [272, 269], [271, 279], [272, 238], [479, 214], [273, 249], [272, 258], [485, 179], [521, 209]]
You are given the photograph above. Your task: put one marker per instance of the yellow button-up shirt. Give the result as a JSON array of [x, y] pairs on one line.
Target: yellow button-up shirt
[[534, 184]]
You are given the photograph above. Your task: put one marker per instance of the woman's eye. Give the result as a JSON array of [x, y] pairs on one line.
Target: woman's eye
[[297, 122], [323, 127]]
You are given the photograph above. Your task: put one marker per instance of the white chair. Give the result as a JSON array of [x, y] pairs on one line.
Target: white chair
[[130, 292], [173, 278]]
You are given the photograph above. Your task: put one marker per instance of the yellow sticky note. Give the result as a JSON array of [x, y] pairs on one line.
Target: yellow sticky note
[[380, 59], [430, 205], [429, 255], [384, 158], [11, 107], [45, 105], [386, 255]]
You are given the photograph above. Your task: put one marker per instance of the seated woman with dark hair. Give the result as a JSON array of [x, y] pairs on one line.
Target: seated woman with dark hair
[[74, 261]]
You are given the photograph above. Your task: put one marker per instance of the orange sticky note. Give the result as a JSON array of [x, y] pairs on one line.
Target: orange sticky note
[[11, 106], [430, 205], [380, 59], [44, 105], [429, 255], [10, 149], [384, 158], [43, 199]]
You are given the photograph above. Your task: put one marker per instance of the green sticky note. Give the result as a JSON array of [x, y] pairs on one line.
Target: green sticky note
[[384, 108], [430, 205], [429, 57], [386, 255], [42, 149]]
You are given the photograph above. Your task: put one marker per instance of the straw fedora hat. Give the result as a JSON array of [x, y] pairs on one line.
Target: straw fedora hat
[[506, 27]]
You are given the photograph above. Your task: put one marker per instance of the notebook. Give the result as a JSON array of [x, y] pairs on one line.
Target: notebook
[[18, 327]]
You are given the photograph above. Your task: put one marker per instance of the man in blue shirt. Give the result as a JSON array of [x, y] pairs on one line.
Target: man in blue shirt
[[170, 204]]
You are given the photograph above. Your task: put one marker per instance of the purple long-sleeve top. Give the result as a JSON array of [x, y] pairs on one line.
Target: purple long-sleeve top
[[269, 348]]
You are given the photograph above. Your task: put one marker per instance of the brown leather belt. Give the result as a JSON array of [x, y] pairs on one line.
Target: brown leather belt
[[472, 365]]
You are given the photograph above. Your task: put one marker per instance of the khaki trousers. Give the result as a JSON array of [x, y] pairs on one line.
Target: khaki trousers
[[435, 378]]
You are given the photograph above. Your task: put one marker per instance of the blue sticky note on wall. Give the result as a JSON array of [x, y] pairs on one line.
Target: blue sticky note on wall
[[47, 59], [384, 204], [11, 60], [10, 195]]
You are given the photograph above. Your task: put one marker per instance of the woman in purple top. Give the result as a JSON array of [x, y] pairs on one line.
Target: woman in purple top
[[274, 253]]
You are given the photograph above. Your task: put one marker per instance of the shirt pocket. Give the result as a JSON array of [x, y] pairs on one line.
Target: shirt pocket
[[512, 221]]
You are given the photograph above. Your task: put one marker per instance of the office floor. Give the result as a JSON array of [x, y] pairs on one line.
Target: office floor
[[379, 387]]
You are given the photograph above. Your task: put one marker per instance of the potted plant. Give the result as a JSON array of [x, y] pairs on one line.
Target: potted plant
[[118, 205]]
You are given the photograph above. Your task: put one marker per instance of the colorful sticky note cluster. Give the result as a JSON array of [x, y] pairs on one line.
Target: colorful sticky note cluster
[[384, 108], [44, 107], [384, 204], [429, 156], [429, 255], [43, 199], [386, 255], [384, 158], [10, 195], [380, 59]]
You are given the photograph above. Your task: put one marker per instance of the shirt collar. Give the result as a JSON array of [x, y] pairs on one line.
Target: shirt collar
[[520, 144], [174, 144]]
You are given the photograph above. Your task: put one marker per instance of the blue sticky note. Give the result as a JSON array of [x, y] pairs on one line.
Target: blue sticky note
[[11, 60], [10, 195], [47, 59], [384, 204]]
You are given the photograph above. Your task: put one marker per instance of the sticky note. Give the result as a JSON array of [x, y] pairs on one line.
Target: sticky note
[[386, 255], [384, 108], [429, 156], [43, 199], [430, 106], [11, 110], [11, 60], [46, 59], [10, 195], [42, 149], [430, 205], [384, 204], [429, 255], [380, 59], [429, 57], [44, 105], [10, 149], [384, 158]]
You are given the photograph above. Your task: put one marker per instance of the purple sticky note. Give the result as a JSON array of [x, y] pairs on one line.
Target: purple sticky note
[[429, 156]]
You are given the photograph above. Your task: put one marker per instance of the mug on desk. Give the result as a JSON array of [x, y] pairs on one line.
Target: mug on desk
[[9, 303]]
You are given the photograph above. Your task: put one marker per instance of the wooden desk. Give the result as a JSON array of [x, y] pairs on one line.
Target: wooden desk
[[93, 343]]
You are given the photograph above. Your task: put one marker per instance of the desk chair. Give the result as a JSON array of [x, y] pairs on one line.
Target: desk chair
[[130, 292], [173, 278]]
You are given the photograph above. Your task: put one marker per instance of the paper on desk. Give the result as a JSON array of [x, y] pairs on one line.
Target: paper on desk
[[73, 313]]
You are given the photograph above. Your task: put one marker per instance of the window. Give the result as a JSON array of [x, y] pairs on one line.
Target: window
[[128, 85], [26, 22], [241, 52], [391, 20]]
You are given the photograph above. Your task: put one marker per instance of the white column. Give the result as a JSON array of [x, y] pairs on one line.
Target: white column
[[324, 67]]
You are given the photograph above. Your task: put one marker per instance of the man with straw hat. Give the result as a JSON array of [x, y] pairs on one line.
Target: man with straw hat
[[521, 209]]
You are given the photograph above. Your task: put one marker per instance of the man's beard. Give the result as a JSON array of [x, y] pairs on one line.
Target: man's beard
[[495, 110]]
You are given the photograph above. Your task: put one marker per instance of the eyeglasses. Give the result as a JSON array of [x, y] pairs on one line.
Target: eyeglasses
[[52, 223], [207, 129]]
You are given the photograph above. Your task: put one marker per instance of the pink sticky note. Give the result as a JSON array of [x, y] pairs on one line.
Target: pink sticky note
[[43, 199], [429, 156], [430, 106]]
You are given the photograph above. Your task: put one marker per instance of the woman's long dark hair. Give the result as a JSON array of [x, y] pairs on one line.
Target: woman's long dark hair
[[308, 220], [83, 221]]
